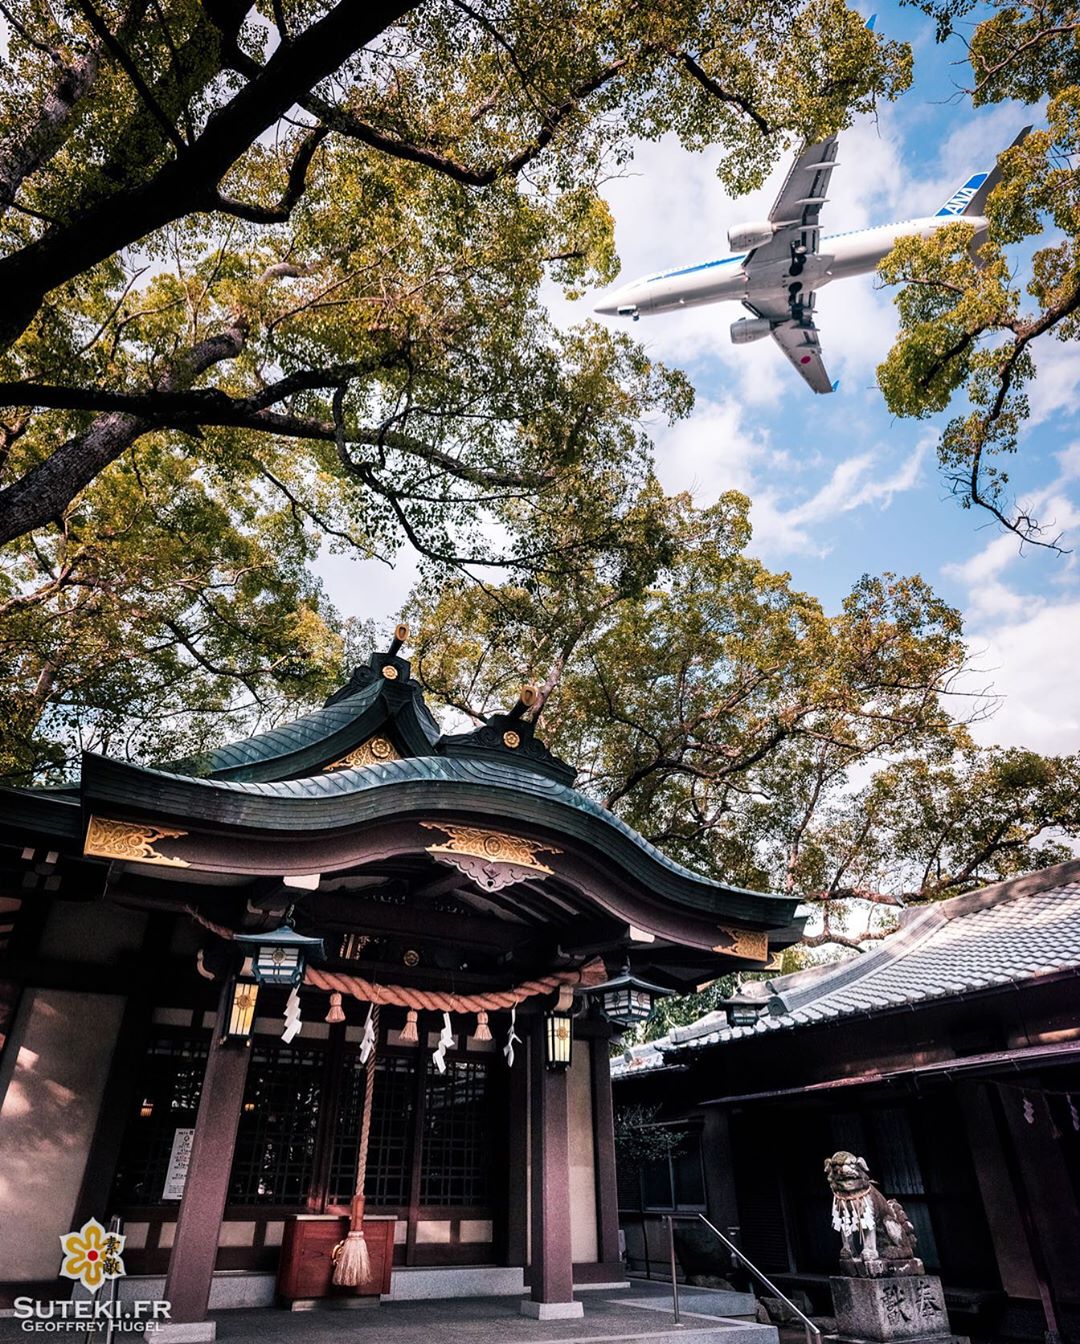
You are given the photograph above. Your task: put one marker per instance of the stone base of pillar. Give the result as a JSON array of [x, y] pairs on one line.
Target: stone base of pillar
[[184, 1332], [551, 1311]]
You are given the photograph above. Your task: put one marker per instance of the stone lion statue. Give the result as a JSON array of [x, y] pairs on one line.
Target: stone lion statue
[[879, 1239]]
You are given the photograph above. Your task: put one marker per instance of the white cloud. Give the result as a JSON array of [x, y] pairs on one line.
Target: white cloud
[[367, 588], [1056, 382], [716, 450], [1032, 661], [856, 482], [1025, 643]]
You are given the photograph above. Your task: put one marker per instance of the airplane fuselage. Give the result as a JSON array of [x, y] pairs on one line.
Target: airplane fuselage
[[841, 256]]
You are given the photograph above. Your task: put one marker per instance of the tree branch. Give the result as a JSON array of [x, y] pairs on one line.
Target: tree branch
[[718, 91], [28, 149], [45, 491], [347, 124], [101, 28], [297, 182], [106, 226]]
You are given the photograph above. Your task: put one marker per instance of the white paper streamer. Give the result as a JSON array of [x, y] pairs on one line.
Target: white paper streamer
[[512, 1038], [446, 1040], [367, 1041], [292, 1017]]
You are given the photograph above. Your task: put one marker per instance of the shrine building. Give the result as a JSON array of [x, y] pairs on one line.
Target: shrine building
[[947, 1056], [349, 974]]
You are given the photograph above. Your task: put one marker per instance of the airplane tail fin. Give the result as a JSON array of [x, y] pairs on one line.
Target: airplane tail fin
[[970, 199]]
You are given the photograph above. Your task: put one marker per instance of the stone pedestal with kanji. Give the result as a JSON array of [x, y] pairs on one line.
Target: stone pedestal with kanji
[[907, 1308]]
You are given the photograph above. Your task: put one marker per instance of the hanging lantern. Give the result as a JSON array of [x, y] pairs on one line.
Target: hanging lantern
[[558, 1040], [241, 1010], [278, 958], [626, 1000]]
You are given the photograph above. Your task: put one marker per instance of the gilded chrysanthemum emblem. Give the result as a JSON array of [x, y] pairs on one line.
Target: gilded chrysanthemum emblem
[[92, 1255]]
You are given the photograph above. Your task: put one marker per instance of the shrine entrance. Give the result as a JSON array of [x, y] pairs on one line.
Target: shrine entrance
[[368, 978]]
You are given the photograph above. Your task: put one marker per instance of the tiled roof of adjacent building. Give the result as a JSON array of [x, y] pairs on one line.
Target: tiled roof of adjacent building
[[1005, 933]]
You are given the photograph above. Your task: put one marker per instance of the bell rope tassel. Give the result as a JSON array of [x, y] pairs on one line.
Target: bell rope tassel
[[483, 1031], [512, 1039], [446, 1041], [352, 1259], [336, 1013], [409, 1033]]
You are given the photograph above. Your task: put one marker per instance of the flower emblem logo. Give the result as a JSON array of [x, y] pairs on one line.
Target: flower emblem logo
[[92, 1255]]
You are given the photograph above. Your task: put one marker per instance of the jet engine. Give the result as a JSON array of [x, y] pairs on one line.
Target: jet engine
[[749, 329], [743, 237]]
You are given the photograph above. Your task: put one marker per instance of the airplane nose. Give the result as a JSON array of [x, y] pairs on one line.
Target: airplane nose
[[609, 307]]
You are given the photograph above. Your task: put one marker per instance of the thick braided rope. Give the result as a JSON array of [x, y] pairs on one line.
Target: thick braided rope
[[369, 1092], [400, 996]]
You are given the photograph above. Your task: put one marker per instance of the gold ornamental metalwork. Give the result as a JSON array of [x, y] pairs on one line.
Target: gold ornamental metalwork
[[511, 738], [131, 841], [390, 672], [495, 846], [491, 859], [374, 751], [745, 943]]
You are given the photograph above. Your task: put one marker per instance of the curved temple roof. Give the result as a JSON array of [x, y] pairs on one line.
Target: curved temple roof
[[369, 773], [423, 787]]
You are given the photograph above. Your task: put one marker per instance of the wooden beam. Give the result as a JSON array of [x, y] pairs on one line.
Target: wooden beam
[[412, 920]]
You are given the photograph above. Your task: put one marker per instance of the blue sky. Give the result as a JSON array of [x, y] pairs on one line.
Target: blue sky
[[839, 487]]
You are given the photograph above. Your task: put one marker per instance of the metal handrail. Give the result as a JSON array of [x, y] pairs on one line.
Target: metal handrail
[[808, 1325]]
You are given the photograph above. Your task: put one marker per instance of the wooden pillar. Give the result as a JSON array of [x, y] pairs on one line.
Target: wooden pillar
[[607, 1193], [517, 1212], [191, 1265], [552, 1269]]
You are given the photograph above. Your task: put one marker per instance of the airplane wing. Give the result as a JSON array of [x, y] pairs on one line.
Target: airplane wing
[[798, 207], [799, 341], [798, 337]]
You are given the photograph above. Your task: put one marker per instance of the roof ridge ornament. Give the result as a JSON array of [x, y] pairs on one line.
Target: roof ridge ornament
[[389, 666], [509, 735]]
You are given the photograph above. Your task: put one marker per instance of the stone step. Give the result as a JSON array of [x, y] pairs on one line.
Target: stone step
[[707, 1301], [422, 1283], [689, 1332]]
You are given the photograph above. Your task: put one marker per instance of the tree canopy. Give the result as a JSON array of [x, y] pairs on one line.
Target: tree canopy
[[735, 724], [270, 280], [967, 332]]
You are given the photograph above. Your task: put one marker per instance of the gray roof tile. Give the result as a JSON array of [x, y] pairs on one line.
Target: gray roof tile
[[1014, 930]]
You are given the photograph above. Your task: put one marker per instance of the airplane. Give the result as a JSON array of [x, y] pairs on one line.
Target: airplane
[[786, 259]]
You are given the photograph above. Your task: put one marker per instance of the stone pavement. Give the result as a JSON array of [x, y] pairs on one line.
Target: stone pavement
[[641, 1312]]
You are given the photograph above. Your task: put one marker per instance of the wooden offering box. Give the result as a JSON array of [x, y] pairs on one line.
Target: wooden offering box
[[306, 1269]]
